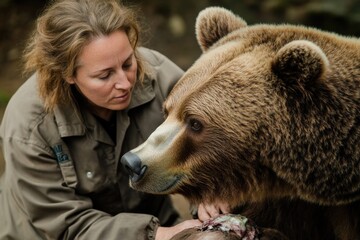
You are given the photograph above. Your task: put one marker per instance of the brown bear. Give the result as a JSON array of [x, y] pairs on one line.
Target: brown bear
[[267, 119]]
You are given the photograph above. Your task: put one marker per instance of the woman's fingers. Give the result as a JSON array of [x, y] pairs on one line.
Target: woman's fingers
[[206, 211]]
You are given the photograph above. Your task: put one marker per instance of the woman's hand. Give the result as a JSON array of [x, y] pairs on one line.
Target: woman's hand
[[165, 233], [206, 211]]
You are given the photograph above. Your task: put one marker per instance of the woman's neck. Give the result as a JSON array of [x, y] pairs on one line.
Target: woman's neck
[[102, 113]]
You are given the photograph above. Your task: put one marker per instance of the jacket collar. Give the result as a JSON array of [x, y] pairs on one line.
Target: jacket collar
[[72, 121], [143, 92]]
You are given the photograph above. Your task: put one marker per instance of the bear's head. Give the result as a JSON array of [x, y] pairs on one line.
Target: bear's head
[[267, 111]]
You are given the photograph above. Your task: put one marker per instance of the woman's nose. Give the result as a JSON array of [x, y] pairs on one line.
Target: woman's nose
[[122, 81]]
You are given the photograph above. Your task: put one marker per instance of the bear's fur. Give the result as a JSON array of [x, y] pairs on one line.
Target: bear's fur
[[267, 119]]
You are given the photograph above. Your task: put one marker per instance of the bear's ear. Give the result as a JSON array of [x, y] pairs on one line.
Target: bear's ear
[[299, 62], [214, 23]]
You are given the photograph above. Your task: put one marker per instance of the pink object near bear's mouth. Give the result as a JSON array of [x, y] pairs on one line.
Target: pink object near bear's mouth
[[240, 225]]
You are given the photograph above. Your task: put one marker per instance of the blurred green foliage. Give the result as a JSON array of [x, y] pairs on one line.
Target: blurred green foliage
[[4, 2], [341, 16]]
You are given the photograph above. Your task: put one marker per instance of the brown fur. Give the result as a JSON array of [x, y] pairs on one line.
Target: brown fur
[[268, 119]]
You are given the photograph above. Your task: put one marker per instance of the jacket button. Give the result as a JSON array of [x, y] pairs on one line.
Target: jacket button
[[89, 174]]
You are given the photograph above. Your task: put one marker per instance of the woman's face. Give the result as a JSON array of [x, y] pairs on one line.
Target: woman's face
[[106, 73]]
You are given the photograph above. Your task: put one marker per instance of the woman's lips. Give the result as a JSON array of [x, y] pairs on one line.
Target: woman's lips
[[122, 98]]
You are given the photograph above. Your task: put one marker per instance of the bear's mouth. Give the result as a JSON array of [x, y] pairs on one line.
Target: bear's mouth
[[159, 185], [171, 183]]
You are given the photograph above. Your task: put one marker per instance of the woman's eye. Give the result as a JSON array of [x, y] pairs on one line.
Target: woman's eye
[[195, 125], [105, 76], [127, 65]]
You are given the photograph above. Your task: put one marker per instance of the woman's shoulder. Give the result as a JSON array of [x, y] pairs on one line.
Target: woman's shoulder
[[151, 56], [165, 72], [26, 99], [24, 111]]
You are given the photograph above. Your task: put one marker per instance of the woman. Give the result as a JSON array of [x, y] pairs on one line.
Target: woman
[[94, 96]]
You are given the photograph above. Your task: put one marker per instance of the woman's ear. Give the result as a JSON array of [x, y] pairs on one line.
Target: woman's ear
[[70, 80]]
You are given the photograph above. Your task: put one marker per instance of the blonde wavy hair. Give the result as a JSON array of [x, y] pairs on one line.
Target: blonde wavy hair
[[62, 31]]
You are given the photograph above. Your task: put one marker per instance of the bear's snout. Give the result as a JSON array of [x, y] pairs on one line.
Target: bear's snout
[[132, 164]]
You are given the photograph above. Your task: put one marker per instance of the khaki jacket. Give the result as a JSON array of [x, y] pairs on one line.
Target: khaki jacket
[[63, 178]]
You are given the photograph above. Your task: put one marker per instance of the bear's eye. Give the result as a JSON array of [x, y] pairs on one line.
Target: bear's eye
[[195, 125]]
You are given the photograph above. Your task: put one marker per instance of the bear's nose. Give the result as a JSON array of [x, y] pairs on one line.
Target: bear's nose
[[132, 164]]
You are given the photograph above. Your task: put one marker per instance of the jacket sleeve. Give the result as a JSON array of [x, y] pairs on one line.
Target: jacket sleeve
[[57, 211]]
